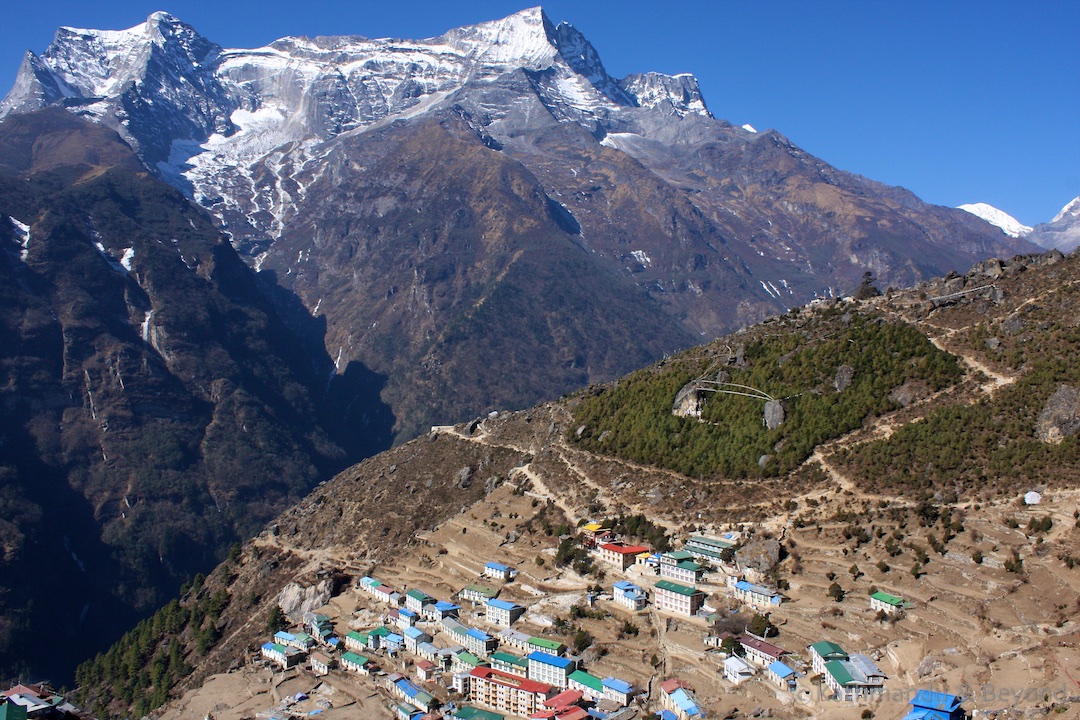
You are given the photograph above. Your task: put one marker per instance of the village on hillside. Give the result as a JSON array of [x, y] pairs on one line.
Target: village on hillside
[[607, 637]]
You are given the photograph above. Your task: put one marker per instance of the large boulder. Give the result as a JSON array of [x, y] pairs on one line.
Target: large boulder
[[688, 401], [295, 599], [774, 414], [1060, 418], [760, 555]]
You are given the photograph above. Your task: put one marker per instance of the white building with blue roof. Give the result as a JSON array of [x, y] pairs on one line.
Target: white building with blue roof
[[618, 690], [758, 596], [440, 610], [550, 669], [630, 596], [783, 676], [503, 612], [413, 637], [499, 571]]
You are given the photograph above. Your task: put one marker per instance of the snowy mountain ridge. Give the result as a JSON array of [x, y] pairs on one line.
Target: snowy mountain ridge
[[235, 128], [999, 218]]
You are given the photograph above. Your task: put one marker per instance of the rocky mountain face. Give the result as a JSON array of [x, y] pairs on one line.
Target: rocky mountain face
[[1061, 233], [159, 400], [488, 217]]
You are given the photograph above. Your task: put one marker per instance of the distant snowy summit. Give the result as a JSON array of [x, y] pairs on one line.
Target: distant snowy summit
[[1061, 233], [999, 218]]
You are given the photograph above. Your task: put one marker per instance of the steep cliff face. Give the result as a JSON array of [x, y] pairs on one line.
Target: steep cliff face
[[156, 405]]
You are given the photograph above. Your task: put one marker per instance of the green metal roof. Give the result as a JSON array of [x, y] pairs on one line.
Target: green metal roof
[[354, 658], [381, 631], [827, 649], [688, 565], [12, 711], [679, 555], [712, 542], [483, 590], [589, 681], [888, 599], [546, 644], [419, 595], [839, 672], [510, 659], [469, 659], [471, 713], [677, 588]]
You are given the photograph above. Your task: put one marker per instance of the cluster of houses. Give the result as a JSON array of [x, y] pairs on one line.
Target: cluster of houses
[[509, 672], [38, 702], [680, 571], [848, 677]]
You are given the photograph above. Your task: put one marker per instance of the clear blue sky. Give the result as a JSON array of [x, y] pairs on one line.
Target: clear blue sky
[[956, 101]]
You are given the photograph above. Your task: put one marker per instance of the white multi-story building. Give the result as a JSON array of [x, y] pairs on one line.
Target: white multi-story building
[[507, 693], [502, 612], [550, 669], [677, 598]]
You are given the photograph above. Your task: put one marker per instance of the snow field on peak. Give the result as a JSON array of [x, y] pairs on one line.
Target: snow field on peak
[[1072, 209], [999, 218]]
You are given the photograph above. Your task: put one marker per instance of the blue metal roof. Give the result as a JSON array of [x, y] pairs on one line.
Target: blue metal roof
[[936, 700], [497, 566], [624, 585], [502, 604], [481, 636], [685, 703], [618, 685], [443, 606], [780, 669], [759, 589], [547, 659]]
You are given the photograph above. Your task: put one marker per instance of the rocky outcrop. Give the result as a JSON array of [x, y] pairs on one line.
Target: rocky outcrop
[[296, 599], [1060, 417]]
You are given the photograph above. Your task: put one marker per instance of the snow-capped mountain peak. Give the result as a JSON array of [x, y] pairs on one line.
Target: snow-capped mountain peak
[[232, 127], [999, 218], [524, 39], [1071, 210]]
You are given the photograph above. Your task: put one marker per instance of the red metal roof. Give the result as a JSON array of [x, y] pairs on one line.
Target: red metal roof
[[566, 697], [624, 549], [670, 686], [773, 651]]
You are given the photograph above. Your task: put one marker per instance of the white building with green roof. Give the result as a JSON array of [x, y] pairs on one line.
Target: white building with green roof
[[589, 685], [677, 598], [824, 651], [889, 604]]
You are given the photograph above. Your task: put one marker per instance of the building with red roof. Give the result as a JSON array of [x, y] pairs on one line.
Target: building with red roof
[[507, 693], [620, 554]]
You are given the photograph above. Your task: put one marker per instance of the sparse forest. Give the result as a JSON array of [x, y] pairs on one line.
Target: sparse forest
[[633, 418]]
